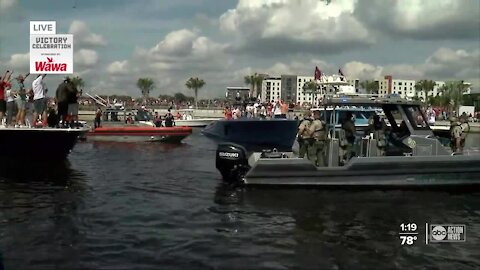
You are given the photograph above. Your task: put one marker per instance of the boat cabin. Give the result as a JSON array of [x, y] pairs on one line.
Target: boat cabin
[[406, 130], [113, 115]]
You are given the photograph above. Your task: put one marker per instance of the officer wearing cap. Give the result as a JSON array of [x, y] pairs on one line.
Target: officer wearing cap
[[455, 135], [303, 137], [316, 151]]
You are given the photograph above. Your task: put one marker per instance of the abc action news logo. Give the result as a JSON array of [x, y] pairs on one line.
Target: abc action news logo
[[447, 233]]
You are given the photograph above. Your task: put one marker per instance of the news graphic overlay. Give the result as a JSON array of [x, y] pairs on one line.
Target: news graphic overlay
[[438, 233], [50, 53], [408, 233]]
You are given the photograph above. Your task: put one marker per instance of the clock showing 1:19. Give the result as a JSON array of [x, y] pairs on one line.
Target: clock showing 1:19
[[409, 227]]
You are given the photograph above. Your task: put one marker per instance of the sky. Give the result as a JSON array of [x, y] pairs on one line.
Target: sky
[[221, 41]]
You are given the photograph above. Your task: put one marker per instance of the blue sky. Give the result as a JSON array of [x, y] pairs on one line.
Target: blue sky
[[117, 42]]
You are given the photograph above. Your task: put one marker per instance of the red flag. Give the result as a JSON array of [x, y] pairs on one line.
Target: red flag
[[318, 74]]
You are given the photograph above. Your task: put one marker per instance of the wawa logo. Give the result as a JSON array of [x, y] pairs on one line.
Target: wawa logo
[[50, 65]]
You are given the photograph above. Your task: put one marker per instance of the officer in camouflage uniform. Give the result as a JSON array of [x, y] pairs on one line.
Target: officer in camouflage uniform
[[465, 129], [455, 135], [316, 151], [303, 136]]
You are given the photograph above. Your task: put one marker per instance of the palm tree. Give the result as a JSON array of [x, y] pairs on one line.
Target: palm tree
[[255, 82], [311, 88], [370, 86], [145, 85], [454, 91], [195, 84], [425, 86]]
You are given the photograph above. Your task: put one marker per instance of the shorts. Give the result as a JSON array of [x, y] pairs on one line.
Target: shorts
[[21, 104], [40, 105], [73, 109], [3, 106], [62, 108]]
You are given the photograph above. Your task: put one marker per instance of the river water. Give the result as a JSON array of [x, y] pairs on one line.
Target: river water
[[153, 206]]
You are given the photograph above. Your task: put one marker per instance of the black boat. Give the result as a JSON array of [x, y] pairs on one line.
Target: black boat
[[39, 143], [254, 133], [414, 157]]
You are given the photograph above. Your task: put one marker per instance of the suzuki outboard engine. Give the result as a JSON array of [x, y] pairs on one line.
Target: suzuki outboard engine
[[232, 162]]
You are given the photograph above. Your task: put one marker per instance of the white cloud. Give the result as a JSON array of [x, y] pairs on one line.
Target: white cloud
[[179, 55], [83, 36], [85, 58], [279, 26], [439, 19], [6, 4], [117, 68], [443, 64], [18, 62]]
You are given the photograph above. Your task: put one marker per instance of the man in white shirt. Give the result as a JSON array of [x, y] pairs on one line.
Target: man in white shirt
[[39, 100], [11, 106]]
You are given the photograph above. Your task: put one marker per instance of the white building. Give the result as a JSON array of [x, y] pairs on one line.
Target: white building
[[405, 88], [271, 89], [303, 97]]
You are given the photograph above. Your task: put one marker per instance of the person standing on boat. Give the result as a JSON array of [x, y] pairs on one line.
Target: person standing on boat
[[455, 135], [169, 122], [21, 100], [349, 127], [377, 128], [4, 85], [465, 130], [39, 100], [61, 96], [98, 116], [73, 95], [303, 136], [318, 131]]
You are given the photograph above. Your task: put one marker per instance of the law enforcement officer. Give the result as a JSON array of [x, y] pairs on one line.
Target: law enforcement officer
[[303, 136], [465, 129], [316, 150], [349, 127], [455, 135], [377, 128]]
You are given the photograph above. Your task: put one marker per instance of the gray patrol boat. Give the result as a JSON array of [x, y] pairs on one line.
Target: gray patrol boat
[[412, 156]]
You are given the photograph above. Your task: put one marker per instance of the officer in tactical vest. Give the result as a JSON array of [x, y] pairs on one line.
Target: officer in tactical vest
[[349, 127], [455, 135], [303, 136], [465, 129], [316, 151], [377, 128]]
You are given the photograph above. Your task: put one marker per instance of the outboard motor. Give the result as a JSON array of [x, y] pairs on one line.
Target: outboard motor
[[232, 162]]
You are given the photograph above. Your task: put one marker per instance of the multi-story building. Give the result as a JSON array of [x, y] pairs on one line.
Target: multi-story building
[[289, 91], [405, 88], [271, 88]]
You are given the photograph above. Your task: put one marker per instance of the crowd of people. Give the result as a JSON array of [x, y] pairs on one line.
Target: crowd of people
[[257, 109], [22, 106]]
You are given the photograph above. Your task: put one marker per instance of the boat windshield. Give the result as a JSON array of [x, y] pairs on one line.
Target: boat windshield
[[416, 117], [143, 116]]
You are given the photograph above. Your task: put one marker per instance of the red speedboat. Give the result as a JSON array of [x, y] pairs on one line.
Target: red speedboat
[[139, 134]]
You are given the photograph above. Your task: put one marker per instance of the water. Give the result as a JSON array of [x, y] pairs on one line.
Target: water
[[152, 206]]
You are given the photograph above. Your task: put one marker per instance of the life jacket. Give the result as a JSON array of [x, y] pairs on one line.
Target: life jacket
[[307, 122], [320, 134], [465, 129], [453, 129]]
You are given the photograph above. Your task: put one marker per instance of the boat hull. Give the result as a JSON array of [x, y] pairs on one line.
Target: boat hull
[[140, 134], [39, 143], [255, 134], [194, 122], [380, 171]]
